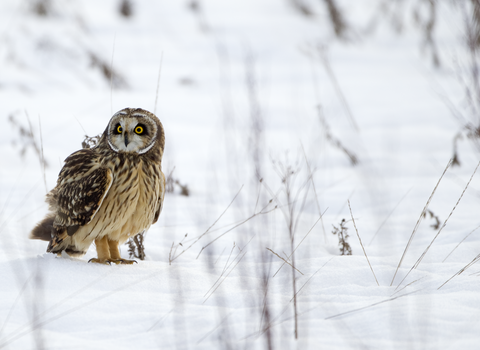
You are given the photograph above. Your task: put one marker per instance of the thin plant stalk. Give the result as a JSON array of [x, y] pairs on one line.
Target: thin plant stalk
[[360, 240]]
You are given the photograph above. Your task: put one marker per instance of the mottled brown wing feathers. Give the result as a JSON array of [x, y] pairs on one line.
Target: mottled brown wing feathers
[[83, 184]]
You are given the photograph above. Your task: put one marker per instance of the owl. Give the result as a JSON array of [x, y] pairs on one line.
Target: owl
[[108, 193]]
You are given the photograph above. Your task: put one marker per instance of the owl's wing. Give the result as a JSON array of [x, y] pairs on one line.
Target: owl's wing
[[160, 198], [82, 186]]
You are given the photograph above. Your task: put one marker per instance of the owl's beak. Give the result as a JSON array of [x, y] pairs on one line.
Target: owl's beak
[[126, 140]]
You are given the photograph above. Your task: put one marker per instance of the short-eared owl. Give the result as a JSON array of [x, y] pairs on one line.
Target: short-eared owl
[[110, 192]]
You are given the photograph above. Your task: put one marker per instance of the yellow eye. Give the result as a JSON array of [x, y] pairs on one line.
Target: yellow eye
[[119, 129], [139, 130]]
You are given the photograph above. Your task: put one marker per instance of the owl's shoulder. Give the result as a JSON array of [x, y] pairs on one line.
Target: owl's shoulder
[[78, 164]]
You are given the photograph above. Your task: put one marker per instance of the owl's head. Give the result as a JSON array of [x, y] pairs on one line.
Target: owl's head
[[135, 130]]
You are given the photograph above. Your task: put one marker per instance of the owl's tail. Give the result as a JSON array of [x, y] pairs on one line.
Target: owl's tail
[[58, 242], [63, 242], [43, 230]]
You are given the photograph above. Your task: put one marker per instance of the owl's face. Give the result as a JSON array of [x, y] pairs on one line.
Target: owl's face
[[133, 130]]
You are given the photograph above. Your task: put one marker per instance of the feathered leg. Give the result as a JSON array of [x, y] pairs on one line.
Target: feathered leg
[[103, 252], [107, 252], [115, 254]]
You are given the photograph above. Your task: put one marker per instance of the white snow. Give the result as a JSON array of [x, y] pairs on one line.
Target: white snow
[[225, 69]]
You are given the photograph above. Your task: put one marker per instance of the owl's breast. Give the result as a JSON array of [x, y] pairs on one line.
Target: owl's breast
[[131, 202], [138, 193]]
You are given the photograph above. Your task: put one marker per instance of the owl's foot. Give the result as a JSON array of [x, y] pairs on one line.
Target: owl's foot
[[101, 261], [124, 261], [110, 261]]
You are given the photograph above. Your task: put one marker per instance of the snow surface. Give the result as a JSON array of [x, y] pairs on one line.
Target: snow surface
[[242, 84]]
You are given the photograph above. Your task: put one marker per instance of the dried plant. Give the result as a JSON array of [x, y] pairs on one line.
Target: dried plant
[[126, 9], [455, 157], [342, 233], [436, 224], [90, 142], [335, 15], [419, 260], [27, 139], [197, 9], [334, 141], [361, 244], [427, 26], [292, 210], [41, 7], [115, 79], [422, 215], [301, 7], [171, 182], [337, 19], [136, 249], [469, 76]]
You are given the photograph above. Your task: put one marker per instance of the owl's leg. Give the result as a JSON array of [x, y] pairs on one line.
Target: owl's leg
[[115, 254], [103, 251]]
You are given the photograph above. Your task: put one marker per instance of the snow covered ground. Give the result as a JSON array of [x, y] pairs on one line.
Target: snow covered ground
[[248, 90]]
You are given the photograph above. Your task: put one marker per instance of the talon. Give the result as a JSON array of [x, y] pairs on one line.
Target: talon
[[100, 261], [110, 261], [124, 261]]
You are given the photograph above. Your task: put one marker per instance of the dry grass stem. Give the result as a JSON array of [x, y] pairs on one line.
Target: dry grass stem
[[335, 141], [476, 228], [172, 258], [223, 271], [313, 275], [298, 245], [160, 320], [286, 262], [310, 176], [158, 84], [477, 258], [109, 73], [326, 64], [360, 240], [224, 319], [261, 212], [223, 278], [422, 215], [388, 216], [441, 228], [398, 291], [42, 162], [371, 305]]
